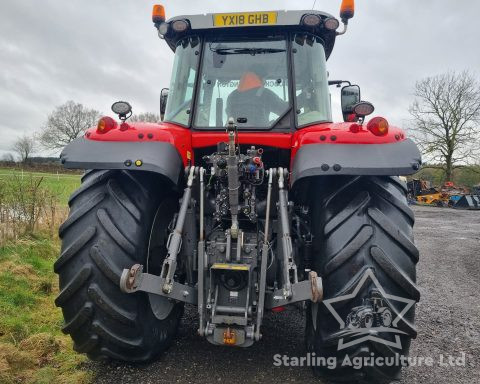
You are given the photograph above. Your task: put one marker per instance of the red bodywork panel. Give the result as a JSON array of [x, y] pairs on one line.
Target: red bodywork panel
[[342, 133], [186, 140]]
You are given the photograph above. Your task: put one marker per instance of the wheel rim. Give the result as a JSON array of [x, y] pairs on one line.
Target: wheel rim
[[353, 322], [368, 321], [387, 318]]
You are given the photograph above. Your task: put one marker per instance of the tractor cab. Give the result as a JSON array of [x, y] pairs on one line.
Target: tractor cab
[[266, 70]]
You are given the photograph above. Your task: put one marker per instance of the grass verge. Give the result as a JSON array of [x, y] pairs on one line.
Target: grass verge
[[32, 347], [60, 185]]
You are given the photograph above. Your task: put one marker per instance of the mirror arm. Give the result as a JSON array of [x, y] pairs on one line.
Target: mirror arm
[[338, 83], [345, 26]]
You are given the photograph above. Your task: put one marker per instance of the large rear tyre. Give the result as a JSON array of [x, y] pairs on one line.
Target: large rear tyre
[[113, 224], [362, 228]]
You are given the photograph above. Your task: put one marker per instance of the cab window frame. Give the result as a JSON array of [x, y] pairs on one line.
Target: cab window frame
[[235, 37], [195, 81], [318, 39]]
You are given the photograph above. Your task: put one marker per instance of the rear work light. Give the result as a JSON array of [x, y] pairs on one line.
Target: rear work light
[[311, 20], [180, 26], [106, 124], [331, 24], [378, 126], [363, 108], [163, 29]]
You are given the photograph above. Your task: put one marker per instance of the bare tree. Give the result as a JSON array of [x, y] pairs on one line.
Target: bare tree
[[66, 123], [446, 114], [24, 147], [147, 117]]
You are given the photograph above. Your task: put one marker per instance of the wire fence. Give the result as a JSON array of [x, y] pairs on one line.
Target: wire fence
[[23, 174]]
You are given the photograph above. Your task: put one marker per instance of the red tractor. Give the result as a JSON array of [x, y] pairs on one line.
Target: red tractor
[[245, 199]]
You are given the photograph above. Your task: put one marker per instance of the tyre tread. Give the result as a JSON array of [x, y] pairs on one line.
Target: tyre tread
[[395, 273], [73, 286], [102, 301], [77, 214], [105, 266], [114, 231], [360, 201], [82, 316], [123, 200], [394, 232], [352, 247], [74, 248]]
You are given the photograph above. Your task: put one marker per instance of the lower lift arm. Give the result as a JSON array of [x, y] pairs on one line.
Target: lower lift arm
[[134, 279]]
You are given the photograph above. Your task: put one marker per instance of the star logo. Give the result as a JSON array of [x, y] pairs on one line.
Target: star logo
[[375, 316]]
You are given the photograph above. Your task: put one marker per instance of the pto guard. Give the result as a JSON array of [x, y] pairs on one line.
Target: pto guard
[[158, 157], [395, 159]]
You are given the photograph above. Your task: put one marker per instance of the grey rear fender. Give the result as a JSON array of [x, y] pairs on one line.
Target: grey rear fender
[[159, 157], [395, 159]]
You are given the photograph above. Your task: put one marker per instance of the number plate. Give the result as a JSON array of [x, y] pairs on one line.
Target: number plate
[[244, 19]]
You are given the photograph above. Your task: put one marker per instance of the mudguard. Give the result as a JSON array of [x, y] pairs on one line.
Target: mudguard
[[395, 159], [159, 157]]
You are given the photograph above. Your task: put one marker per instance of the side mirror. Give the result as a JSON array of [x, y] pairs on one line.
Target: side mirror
[[350, 97], [163, 102]]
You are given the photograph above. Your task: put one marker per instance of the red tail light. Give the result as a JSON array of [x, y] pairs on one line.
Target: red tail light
[[106, 124], [378, 126]]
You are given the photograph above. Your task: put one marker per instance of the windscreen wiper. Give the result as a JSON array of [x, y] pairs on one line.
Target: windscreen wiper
[[244, 51]]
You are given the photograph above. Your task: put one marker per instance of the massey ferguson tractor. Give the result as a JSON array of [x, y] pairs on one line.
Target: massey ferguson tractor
[[244, 200]]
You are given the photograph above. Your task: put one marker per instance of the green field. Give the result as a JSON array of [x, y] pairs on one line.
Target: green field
[[60, 185]]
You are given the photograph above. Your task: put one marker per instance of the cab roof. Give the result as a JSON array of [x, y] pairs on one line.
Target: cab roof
[[286, 21]]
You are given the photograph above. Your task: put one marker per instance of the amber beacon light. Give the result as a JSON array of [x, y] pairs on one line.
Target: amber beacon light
[[106, 124], [158, 14], [347, 10]]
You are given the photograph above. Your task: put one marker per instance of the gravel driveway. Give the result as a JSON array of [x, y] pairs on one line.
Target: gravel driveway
[[448, 318]]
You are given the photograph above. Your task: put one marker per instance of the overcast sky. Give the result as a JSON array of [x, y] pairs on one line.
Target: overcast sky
[[99, 51]]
